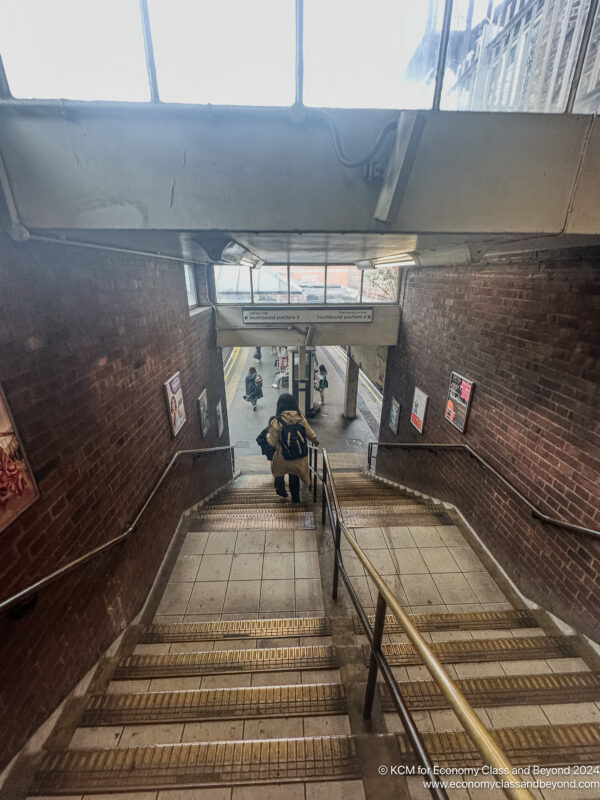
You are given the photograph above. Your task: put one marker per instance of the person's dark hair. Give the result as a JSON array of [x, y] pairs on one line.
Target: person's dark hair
[[286, 402], [252, 369], [322, 369]]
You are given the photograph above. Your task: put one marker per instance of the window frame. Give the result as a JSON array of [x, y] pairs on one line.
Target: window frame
[[359, 302]]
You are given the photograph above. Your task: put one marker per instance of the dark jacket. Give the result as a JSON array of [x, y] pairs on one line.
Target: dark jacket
[[265, 447], [253, 389]]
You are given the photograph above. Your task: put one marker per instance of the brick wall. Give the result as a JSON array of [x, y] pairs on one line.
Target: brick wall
[[527, 331], [87, 340]]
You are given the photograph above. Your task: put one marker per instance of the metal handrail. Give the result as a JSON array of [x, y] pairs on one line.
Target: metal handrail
[[561, 523], [34, 588], [483, 741]]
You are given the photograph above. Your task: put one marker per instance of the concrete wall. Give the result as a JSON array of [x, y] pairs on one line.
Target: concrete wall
[[527, 332], [77, 165], [232, 331], [373, 362], [86, 342]]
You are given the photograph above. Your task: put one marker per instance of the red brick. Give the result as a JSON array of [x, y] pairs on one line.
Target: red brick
[[527, 332]]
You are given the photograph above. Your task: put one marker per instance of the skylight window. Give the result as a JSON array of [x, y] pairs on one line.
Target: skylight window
[[381, 54], [74, 49], [226, 52]]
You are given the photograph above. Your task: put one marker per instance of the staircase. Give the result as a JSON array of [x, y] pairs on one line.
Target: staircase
[[238, 685]]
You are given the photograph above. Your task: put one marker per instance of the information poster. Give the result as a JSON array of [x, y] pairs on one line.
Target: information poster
[[203, 412], [18, 489], [460, 392], [419, 407], [174, 396], [394, 415]]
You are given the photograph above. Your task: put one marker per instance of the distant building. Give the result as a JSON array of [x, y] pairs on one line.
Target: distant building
[[521, 57]]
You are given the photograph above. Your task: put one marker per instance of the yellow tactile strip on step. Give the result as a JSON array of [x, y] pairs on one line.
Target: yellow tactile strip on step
[[252, 520], [237, 629], [556, 745], [469, 621], [532, 647], [201, 764], [501, 691], [215, 704], [226, 661], [386, 516]]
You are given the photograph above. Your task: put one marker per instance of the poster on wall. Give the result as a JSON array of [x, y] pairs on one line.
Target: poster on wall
[[458, 402], [220, 423], [419, 407], [18, 489], [394, 416], [203, 412], [174, 396]]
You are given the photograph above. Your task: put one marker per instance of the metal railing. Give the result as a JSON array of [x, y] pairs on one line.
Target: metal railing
[[34, 588], [491, 753], [561, 523]]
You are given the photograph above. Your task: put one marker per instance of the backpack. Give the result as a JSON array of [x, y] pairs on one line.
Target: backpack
[[293, 440]]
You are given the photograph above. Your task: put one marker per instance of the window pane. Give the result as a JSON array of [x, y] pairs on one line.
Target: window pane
[[232, 283], [517, 57], [190, 285], [380, 285], [588, 93], [230, 52], [381, 54], [307, 284], [75, 49], [270, 285], [343, 284]]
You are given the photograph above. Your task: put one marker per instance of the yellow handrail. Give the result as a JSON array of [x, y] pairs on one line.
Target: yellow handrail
[[480, 736]]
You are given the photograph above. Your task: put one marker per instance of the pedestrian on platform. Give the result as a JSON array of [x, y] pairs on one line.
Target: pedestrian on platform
[[289, 433], [321, 383], [253, 387]]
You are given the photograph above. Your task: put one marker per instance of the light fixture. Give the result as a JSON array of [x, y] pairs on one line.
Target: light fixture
[[399, 260], [234, 253]]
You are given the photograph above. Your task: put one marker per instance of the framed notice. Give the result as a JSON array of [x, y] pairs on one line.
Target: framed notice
[[458, 402], [18, 489], [394, 416], [174, 397], [220, 423], [203, 412], [419, 407]]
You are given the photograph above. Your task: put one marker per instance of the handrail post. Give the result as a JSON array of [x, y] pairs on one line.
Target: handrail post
[[315, 478], [375, 647], [336, 556], [369, 454], [324, 490]]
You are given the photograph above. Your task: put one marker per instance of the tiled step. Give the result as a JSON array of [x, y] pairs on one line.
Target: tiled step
[[572, 687], [277, 659], [395, 515], [215, 704], [471, 621], [519, 648], [237, 629], [556, 745], [252, 519], [198, 765]]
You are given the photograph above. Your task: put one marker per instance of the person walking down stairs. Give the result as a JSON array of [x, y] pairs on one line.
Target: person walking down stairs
[[288, 433]]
